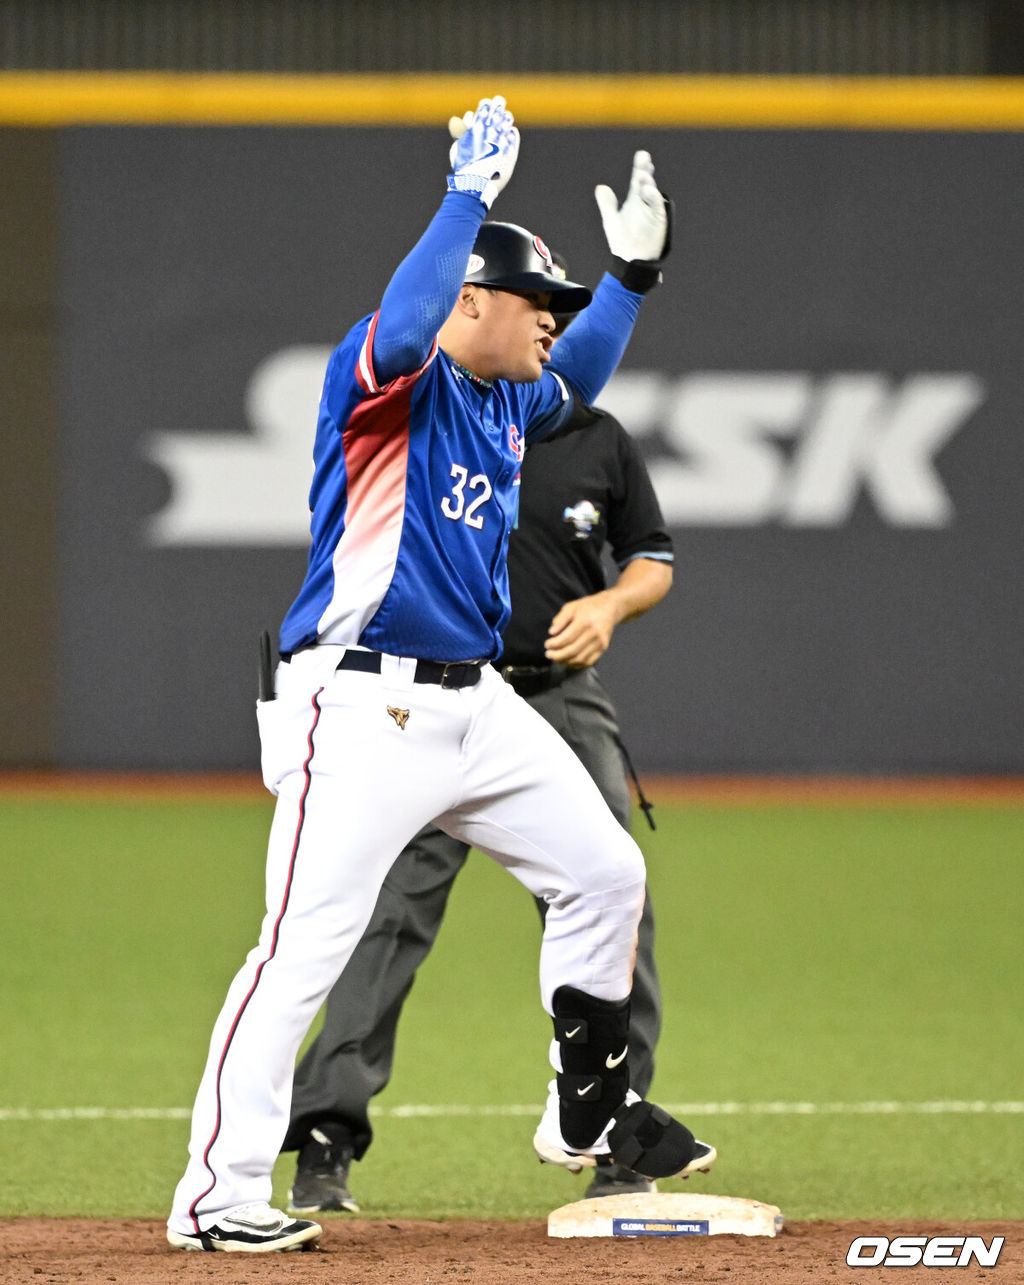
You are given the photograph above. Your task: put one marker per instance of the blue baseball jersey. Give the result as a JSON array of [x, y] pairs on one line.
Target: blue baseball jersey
[[416, 464], [414, 494]]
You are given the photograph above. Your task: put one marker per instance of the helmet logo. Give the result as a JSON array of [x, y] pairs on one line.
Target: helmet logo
[[543, 251], [476, 262]]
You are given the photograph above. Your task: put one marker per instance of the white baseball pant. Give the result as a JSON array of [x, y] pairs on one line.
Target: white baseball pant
[[353, 786]]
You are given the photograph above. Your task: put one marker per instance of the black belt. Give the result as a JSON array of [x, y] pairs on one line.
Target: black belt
[[531, 680], [450, 674]]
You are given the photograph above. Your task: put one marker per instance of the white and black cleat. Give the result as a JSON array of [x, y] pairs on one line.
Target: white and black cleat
[[252, 1229], [549, 1153], [704, 1157]]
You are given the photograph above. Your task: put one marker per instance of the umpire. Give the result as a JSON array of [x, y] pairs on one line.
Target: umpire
[[583, 488]]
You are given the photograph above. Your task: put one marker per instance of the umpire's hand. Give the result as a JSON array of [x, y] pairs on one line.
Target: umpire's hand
[[581, 631]]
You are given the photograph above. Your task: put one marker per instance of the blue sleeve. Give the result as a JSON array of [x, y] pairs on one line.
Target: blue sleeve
[[592, 345], [424, 288], [544, 406]]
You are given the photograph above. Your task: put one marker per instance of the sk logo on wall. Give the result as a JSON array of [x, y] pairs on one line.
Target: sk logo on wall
[[735, 449]]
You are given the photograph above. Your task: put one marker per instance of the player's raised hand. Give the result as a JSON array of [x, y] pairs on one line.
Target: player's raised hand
[[484, 153], [639, 229]]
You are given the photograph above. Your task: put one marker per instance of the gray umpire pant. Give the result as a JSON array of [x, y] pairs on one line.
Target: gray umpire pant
[[350, 1060]]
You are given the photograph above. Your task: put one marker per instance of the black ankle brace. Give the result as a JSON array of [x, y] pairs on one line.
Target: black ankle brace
[[646, 1138]]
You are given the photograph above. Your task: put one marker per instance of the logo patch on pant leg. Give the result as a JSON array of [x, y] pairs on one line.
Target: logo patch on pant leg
[[401, 716]]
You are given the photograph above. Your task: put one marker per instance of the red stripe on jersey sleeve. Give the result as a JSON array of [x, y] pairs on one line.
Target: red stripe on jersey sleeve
[[366, 377]]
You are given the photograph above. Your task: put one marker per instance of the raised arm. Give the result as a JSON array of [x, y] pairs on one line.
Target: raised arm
[[426, 283], [639, 235]]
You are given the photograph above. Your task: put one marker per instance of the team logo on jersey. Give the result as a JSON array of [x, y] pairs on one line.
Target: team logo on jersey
[[515, 440], [544, 252], [401, 716], [584, 517]]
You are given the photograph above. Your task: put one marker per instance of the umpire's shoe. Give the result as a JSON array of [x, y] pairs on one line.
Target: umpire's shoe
[[611, 1179], [321, 1175], [252, 1229]]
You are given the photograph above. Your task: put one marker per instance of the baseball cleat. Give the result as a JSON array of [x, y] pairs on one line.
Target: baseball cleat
[[550, 1153], [640, 1137], [252, 1229], [703, 1158]]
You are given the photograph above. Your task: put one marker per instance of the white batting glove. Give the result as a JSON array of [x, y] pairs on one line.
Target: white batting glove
[[484, 153], [457, 126], [639, 229]]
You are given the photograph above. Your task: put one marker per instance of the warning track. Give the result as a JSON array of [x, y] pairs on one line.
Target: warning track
[[739, 791]]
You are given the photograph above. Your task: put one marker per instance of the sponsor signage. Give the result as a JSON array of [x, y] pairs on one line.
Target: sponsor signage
[[825, 389], [716, 445], [658, 1227]]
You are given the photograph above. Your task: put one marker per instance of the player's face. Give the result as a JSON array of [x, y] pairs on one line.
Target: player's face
[[516, 334]]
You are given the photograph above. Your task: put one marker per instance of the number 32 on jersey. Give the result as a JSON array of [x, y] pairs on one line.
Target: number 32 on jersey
[[455, 506]]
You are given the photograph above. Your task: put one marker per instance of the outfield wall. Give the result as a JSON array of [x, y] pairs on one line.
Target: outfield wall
[[827, 389]]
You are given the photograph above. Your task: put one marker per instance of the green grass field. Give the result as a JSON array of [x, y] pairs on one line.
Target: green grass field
[[841, 989]]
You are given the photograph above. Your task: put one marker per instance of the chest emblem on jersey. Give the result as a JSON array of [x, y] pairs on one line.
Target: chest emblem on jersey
[[515, 440], [584, 517], [401, 716]]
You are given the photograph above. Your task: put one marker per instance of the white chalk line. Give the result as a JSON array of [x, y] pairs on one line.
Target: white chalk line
[[412, 1110]]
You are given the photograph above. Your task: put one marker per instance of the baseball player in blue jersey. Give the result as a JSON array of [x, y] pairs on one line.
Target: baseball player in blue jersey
[[385, 715]]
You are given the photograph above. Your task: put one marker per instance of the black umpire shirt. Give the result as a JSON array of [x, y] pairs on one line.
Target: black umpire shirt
[[584, 486]]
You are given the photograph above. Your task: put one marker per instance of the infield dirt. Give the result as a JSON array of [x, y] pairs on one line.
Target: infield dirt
[[363, 1252]]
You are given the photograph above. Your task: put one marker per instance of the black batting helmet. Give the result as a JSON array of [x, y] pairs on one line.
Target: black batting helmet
[[508, 257]]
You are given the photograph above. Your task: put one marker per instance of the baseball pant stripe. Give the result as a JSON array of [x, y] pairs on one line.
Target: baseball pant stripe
[[307, 778]]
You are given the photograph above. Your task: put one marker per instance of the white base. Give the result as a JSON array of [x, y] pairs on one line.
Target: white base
[[665, 1214]]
